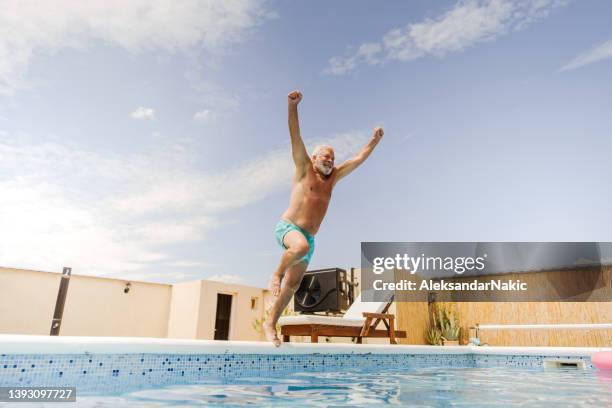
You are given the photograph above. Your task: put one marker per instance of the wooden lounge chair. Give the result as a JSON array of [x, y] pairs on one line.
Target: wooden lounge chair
[[359, 321]]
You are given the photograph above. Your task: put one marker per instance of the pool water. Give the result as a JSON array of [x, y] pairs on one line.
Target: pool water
[[424, 387]]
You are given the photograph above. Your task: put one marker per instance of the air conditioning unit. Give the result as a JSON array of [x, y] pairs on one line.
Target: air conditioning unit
[[324, 290]]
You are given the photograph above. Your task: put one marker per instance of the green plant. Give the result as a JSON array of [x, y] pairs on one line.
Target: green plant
[[450, 327], [444, 326], [433, 336]]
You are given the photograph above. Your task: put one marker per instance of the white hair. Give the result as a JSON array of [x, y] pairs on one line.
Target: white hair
[[317, 149]]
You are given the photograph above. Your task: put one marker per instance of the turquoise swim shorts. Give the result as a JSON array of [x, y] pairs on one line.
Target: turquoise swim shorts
[[283, 227]]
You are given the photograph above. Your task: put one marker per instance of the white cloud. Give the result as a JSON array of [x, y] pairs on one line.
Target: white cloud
[[43, 229], [598, 53], [202, 116], [112, 215], [143, 113], [468, 23], [180, 189], [226, 278], [29, 28]]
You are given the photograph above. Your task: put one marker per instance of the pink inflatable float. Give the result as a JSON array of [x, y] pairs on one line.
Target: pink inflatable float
[[602, 360]]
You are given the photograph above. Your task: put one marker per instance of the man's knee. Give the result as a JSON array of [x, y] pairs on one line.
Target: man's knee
[[300, 250]]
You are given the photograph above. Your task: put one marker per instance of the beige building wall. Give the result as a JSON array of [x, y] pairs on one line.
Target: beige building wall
[[242, 315], [184, 310], [100, 307], [94, 306], [193, 310], [27, 300]]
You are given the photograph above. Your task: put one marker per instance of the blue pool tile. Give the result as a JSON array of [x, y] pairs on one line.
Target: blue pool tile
[[114, 372]]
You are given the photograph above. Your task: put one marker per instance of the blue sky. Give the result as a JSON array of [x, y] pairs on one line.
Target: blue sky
[[148, 139]]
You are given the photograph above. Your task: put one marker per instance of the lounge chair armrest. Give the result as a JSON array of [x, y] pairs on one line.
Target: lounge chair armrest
[[378, 315]]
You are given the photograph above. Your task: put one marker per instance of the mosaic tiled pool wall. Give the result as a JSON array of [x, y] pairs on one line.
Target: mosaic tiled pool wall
[[117, 372]]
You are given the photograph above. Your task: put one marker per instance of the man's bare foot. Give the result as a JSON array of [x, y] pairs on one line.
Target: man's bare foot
[[270, 333], [275, 285]]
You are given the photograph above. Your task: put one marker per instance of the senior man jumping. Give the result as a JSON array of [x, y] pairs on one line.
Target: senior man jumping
[[313, 182]]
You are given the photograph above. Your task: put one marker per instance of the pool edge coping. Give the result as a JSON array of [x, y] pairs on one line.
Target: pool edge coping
[[38, 344]]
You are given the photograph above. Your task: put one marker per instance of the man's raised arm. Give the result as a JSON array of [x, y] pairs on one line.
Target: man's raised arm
[[351, 164], [298, 150]]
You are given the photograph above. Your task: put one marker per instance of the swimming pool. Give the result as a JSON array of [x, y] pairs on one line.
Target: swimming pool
[[163, 372]]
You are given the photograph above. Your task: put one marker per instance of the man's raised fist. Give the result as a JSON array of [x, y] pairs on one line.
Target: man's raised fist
[[378, 133], [294, 97]]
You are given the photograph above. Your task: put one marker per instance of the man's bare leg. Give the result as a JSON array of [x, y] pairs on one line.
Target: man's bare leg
[[297, 248], [292, 280]]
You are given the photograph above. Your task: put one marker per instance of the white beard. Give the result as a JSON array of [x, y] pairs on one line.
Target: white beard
[[323, 168]]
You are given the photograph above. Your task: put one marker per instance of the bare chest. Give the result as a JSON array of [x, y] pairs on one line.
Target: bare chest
[[318, 186]]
